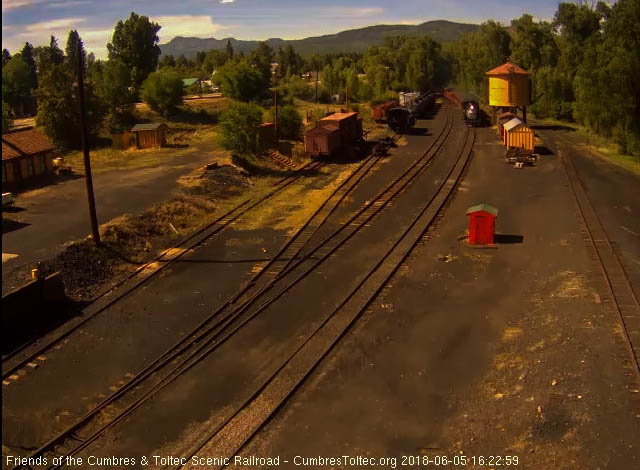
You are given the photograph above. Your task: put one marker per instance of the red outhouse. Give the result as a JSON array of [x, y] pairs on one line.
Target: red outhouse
[[482, 224]]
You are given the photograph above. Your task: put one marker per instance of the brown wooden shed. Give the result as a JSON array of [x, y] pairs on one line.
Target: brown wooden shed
[[266, 134], [322, 140], [26, 154], [150, 136]]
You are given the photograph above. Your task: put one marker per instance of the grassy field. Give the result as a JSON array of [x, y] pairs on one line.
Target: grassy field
[[599, 145], [190, 130]]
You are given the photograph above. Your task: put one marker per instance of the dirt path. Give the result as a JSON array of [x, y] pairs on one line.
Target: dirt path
[[46, 218]]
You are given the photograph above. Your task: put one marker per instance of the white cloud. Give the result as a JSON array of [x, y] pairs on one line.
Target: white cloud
[[186, 25], [15, 4], [227, 1], [54, 25], [359, 12]]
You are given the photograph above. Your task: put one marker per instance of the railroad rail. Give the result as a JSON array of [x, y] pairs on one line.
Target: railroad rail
[[619, 292], [11, 363], [231, 436], [205, 335]]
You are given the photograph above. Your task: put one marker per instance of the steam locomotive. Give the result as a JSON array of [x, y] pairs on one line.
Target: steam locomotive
[[469, 106]]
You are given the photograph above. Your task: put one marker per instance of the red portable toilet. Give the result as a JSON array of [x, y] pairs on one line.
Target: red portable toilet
[[482, 224]]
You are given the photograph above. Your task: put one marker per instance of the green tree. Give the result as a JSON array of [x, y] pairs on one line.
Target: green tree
[[74, 44], [229, 50], [533, 45], [113, 85], [167, 61], [56, 56], [238, 79], [6, 56], [16, 81], [477, 52], [261, 58], [59, 107], [606, 88], [213, 60], [135, 43], [162, 91], [289, 122], [27, 56], [7, 122], [238, 128]]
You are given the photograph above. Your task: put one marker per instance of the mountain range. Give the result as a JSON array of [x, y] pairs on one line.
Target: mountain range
[[353, 40]]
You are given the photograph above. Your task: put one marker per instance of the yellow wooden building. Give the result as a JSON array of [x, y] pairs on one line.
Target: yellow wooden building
[[508, 86], [518, 135]]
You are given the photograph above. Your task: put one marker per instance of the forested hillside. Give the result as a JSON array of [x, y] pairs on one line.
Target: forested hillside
[[354, 40]]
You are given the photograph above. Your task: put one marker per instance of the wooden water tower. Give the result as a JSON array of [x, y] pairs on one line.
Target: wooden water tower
[[509, 88]]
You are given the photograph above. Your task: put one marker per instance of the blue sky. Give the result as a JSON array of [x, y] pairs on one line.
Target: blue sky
[[36, 20]]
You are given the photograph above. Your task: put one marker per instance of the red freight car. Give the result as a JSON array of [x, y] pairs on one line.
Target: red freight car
[[379, 112], [322, 141], [349, 124]]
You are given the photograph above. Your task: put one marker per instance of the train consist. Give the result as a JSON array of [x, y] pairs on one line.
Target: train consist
[[469, 106], [401, 115]]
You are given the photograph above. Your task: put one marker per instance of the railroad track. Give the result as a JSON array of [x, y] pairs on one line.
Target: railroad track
[[209, 334], [231, 436], [14, 361], [619, 293]]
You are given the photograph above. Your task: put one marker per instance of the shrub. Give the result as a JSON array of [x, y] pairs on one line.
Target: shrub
[[238, 128], [289, 122], [162, 91]]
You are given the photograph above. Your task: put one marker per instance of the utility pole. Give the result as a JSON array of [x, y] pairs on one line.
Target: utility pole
[[85, 148], [317, 76], [275, 124], [347, 96]]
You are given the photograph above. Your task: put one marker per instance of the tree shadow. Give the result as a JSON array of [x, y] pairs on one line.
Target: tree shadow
[[542, 150], [9, 225], [22, 333], [175, 146], [49, 179], [503, 239], [254, 169], [552, 127]]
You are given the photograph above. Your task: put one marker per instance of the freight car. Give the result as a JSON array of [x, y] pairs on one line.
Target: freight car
[[379, 111], [470, 107], [400, 120], [332, 133]]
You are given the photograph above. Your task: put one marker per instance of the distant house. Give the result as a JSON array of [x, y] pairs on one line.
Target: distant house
[[187, 82], [150, 136], [26, 155]]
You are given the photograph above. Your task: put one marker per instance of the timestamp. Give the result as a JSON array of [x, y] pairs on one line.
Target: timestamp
[[489, 461]]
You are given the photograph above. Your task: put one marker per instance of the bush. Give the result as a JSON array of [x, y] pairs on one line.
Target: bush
[[238, 128], [162, 91], [289, 122]]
